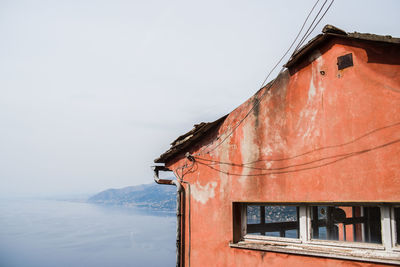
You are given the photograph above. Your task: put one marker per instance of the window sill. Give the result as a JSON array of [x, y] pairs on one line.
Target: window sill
[[348, 253], [256, 238]]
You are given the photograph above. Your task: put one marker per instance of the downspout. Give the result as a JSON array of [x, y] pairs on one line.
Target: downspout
[[156, 170]]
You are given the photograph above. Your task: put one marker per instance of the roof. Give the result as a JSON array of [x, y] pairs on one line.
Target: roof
[[330, 31], [188, 139], [183, 142]]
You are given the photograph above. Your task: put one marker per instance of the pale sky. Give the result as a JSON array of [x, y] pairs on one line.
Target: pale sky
[[91, 91]]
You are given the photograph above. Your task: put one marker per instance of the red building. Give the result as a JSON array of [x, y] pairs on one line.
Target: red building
[[304, 173]]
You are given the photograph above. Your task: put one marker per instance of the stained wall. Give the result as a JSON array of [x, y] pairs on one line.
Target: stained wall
[[318, 135]]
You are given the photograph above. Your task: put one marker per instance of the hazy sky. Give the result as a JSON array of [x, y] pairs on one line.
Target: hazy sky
[[91, 91]]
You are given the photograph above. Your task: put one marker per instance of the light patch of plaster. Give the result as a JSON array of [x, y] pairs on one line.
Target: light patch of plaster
[[320, 63], [267, 151], [274, 139], [224, 182], [311, 91], [308, 115], [279, 143], [203, 193], [316, 68], [249, 149]]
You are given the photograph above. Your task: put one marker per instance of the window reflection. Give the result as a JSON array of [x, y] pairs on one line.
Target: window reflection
[[346, 223], [277, 221]]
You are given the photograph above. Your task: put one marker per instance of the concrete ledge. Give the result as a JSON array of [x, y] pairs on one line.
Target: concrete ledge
[[355, 254]]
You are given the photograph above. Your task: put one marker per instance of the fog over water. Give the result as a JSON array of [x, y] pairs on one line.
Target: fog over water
[[48, 233], [92, 91]]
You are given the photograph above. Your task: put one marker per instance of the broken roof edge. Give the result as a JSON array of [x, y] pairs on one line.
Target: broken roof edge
[[188, 139], [330, 31]]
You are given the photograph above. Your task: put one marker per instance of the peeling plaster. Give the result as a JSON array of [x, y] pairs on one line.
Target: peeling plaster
[[267, 151], [249, 148], [203, 193], [312, 90], [309, 113], [224, 179], [275, 139], [320, 63], [224, 184]]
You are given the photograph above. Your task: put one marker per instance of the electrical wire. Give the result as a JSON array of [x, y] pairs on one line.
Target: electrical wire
[[291, 45], [302, 40], [270, 171], [269, 86], [212, 162], [323, 15], [245, 165]]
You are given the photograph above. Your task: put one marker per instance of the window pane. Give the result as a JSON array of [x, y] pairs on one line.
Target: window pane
[[253, 214], [278, 221], [397, 222], [346, 223]]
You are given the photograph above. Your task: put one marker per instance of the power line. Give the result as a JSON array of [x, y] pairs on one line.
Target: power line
[[290, 47], [323, 15], [287, 158], [309, 27], [304, 166], [309, 33], [258, 100]]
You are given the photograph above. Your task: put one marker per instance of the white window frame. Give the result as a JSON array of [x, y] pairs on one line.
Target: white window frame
[[273, 238], [387, 252], [395, 243]]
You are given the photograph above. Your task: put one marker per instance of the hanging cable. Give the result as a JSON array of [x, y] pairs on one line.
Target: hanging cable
[[269, 86], [269, 171], [309, 28], [291, 45], [311, 31]]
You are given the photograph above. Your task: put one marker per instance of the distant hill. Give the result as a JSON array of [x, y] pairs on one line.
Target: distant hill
[[154, 196]]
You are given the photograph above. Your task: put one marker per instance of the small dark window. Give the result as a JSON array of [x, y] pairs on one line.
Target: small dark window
[[345, 61], [346, 223], [277, 221]]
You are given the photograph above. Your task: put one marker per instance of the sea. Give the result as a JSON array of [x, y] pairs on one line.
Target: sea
[[57, 233]]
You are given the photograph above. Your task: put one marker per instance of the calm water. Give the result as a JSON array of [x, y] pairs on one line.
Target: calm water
[[59, 233]]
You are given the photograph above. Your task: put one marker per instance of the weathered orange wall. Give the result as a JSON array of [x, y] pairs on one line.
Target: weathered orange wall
[[338, 135]]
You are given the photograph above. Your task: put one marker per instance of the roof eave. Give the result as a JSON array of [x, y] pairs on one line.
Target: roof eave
[[313, 43], [188, 139]]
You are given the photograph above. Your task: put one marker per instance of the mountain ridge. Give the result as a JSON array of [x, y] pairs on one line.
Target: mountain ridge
[[152, 196]]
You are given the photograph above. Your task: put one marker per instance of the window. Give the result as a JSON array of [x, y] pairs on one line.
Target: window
[[278, 221], [346, 223], [368, 232]]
